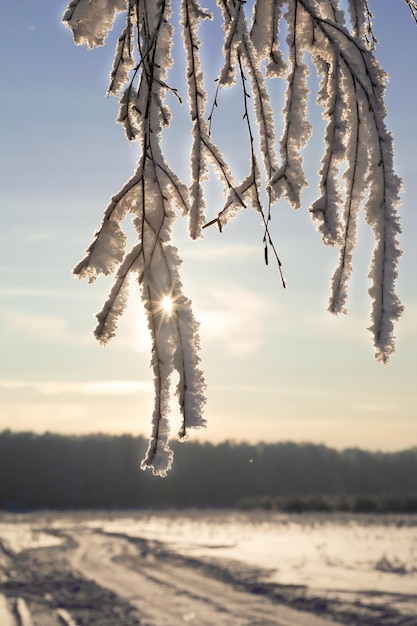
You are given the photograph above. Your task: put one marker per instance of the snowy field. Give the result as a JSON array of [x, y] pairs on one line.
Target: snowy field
[[212, 567]]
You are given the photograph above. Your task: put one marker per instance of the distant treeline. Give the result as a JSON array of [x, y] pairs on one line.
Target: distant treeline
[[358, 503], [101, 471]]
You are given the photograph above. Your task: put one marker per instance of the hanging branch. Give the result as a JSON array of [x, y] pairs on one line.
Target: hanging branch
[[150, 197], [370, 170], [356, 171], [289, 180]]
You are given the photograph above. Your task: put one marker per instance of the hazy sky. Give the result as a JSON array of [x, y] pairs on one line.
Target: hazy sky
[[278, 366]]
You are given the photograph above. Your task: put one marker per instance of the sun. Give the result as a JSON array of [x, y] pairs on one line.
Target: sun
[[167, 305]]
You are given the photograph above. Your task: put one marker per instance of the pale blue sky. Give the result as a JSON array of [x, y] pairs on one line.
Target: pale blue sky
[[278, 366]]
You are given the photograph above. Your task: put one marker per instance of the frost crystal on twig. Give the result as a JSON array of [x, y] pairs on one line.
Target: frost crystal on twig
[[356, 170]]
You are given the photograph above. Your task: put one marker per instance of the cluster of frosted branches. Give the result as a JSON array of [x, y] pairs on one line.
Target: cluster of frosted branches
[[356, 168]]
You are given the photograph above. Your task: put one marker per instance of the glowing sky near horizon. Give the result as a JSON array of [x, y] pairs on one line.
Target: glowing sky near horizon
[[278, 366]]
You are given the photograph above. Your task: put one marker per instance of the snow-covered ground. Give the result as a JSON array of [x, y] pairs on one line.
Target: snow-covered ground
[[331, 564], [333, 555], [23, 536]]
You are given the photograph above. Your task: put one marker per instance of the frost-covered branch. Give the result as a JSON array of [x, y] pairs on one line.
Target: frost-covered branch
[[150, 197], [413, 8], [355, 173], [370, 171], [290, 180]]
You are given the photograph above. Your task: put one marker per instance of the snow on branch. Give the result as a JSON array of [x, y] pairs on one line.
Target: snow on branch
[[413, 8], [264, 41]]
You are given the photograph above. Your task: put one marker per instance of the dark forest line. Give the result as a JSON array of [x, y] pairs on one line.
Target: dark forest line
[[102, 471]]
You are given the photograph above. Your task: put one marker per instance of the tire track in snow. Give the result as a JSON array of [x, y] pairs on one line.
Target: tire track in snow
[[166, 593]]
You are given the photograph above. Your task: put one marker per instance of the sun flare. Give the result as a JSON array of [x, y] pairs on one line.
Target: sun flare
[[167, 305]]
